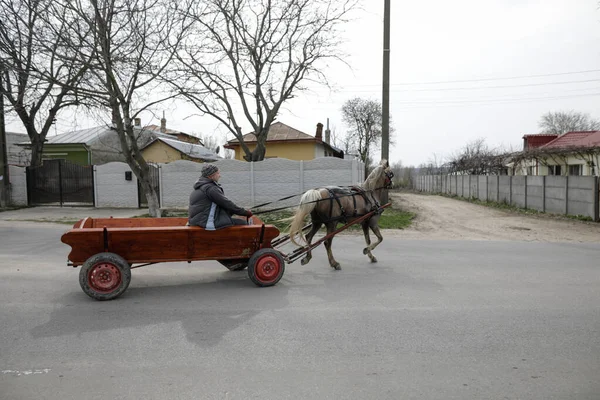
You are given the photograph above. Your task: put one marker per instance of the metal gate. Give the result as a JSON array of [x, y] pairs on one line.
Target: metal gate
[[60, 182], [154, 178]]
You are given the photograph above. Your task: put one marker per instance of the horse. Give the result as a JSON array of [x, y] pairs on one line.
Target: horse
[[332, 205]]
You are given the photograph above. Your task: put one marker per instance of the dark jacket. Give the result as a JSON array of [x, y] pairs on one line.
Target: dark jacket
[[209, 208]]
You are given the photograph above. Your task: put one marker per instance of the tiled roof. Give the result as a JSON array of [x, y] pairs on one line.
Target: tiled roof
[[190, 149], [540, 135], [576, 139], [89, 136], [277, 132]]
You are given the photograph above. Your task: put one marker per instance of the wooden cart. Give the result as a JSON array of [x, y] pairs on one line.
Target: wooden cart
[[108, 248]]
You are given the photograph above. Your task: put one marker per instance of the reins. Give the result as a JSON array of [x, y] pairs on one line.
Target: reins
[[308, 202]]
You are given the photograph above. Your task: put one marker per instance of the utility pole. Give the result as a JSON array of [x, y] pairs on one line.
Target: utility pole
[[385, 124], [3, 155]]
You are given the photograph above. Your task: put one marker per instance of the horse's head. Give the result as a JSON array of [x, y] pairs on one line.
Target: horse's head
[[389, 174]]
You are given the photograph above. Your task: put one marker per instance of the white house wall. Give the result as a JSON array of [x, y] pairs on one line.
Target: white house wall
[[541, 168]]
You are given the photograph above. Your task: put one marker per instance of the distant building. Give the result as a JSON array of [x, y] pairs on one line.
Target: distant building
[[283, 141]]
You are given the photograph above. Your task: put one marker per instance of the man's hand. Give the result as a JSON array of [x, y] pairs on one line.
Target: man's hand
[[248, 213]]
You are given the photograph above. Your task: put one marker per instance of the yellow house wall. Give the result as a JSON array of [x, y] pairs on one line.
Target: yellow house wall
[[291, 151], [159, 152]]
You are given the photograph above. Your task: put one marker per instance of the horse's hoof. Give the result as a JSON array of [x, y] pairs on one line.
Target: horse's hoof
[[365, 251], [304, 261], [337, 266], [373, 259]]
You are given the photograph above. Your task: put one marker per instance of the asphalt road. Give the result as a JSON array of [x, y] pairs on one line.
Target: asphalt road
[[431, 320]]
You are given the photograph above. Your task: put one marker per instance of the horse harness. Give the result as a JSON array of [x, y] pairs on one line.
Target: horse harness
[[355, 190]]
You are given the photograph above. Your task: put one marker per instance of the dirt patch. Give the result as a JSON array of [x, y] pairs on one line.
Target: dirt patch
[[443, 218]]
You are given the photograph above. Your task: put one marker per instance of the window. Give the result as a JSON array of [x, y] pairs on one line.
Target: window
[[575, 169], [554, 170]]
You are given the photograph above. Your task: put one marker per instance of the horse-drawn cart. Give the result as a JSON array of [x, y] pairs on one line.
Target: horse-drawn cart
[[107, 249]]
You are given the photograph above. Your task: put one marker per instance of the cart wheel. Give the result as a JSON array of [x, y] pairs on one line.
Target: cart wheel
[[105, 276], [266, 267], [235, 265]]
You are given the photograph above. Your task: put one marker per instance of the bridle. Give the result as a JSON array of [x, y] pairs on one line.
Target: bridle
[[388, 179]]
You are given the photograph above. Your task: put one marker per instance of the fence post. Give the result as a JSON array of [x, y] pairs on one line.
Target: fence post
[[526, 178], [487, 188], [510, 179], [544, 193], [469, 186], [94, 185], [498, 189], [301, 190], [60, 183], [567, 195], [252, 183], [596, 200]]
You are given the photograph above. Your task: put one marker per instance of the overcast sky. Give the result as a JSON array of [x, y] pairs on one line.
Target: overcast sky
[[496, 49]]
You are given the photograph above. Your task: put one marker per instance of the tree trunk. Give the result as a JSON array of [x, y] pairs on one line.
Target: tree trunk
[[152, 197], [37, 148]]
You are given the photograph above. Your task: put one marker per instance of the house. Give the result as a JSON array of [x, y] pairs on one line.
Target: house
[[283, 141], [164, 150], [101, 144], [181, 136], [574, 153]]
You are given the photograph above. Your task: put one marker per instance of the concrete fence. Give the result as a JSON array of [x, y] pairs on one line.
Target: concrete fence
[[247, 184], [569, 195]]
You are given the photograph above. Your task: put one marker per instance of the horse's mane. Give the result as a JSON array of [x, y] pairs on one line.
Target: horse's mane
[[375, 176]]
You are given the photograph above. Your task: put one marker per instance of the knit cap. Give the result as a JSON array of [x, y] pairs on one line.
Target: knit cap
[[208, 170]]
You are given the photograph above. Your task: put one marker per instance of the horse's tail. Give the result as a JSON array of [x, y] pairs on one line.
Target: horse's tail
[[308, 203]]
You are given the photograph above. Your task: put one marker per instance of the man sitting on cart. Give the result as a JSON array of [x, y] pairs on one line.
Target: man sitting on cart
[[209, 208]]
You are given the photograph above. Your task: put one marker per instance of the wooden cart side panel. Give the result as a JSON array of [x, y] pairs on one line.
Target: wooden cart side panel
[[143, 245], [143, 222], [138, 222], [84, 244]]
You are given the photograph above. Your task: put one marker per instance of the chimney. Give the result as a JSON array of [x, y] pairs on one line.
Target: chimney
[[137, 122], [319, 134], [327, 133], [163, 124]]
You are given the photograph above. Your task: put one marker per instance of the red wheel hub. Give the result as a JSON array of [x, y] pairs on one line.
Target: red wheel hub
[[267, 268], [104, 277]]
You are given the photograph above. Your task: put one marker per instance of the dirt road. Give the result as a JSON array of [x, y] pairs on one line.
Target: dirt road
[[444, 218]]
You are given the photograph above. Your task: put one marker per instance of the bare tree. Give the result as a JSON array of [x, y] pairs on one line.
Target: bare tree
[[561, 122], [476, 158], [29, 43], [248, 57], [215, 144], [364, 119], [129, 44]]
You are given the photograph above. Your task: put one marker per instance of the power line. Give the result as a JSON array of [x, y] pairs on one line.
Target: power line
[[483, 79], [471, 88], [421, 104], [500, 79]]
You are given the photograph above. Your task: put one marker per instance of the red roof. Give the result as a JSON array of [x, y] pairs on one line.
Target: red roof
[[576, 139], [538, 140], [277, 132]]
